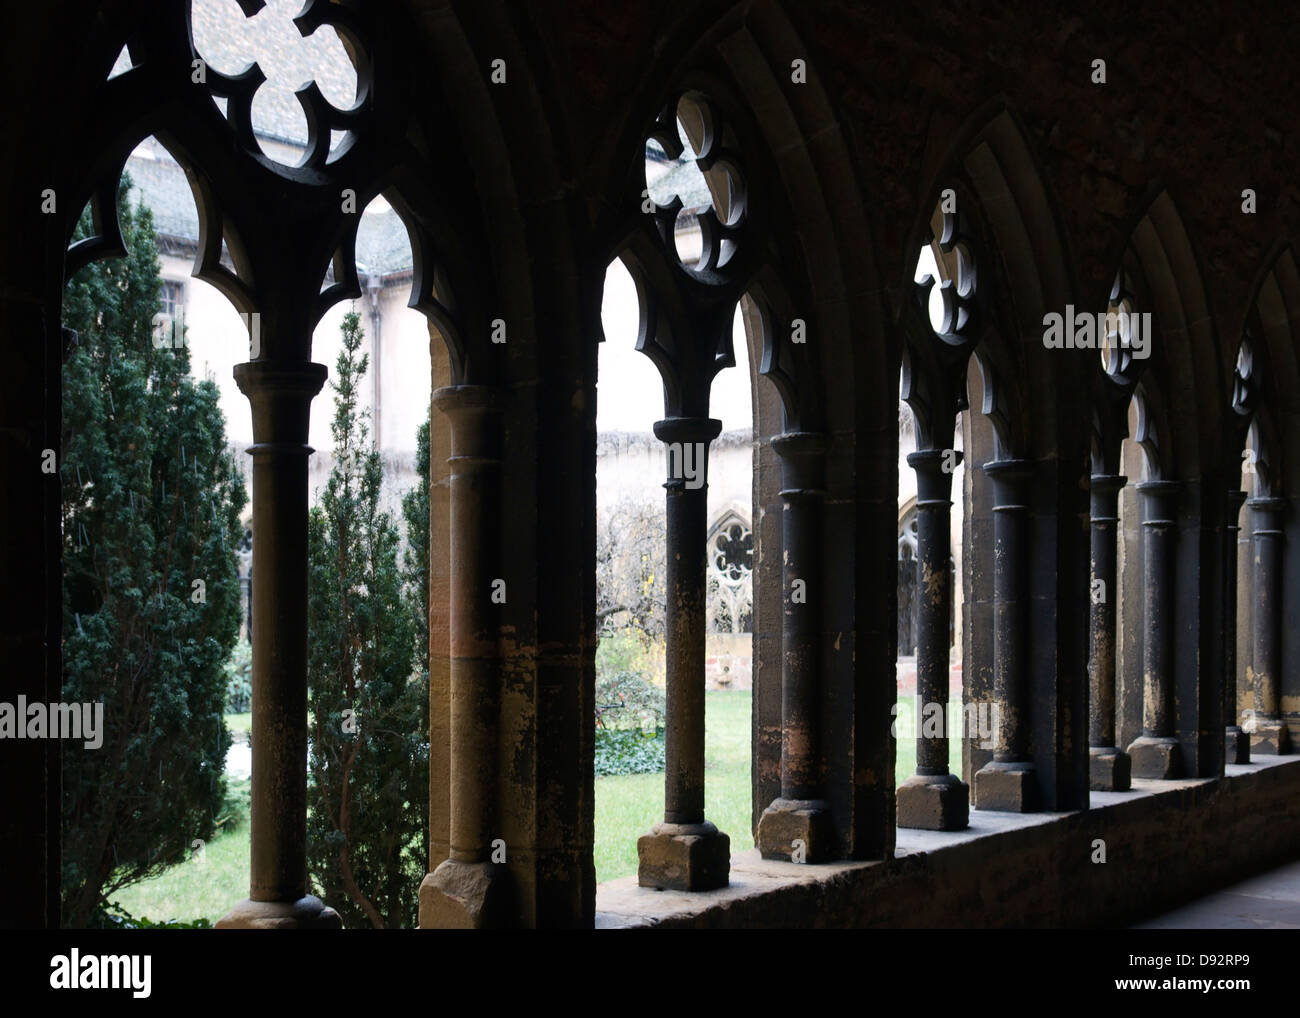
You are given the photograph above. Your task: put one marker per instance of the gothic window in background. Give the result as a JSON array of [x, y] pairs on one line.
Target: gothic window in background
[[730, 575]]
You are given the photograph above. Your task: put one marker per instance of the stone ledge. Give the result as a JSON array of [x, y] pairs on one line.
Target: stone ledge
[[1186, 837]]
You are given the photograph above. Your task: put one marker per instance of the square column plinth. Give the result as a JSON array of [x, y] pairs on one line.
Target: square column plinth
[[939, 802], [684, 857]]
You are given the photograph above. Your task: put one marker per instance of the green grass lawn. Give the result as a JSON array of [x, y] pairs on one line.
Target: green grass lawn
[[205, 886], [240, 722], [627, 806]]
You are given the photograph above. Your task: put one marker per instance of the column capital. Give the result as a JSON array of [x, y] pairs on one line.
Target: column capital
[[1010, 479], [451, 399], [803, 463], [1268, 515], [280, 394], [474, 412], [687, 429], [933, 482], [1103, 497], [1159, 497], [1109, 484], [304, 378]]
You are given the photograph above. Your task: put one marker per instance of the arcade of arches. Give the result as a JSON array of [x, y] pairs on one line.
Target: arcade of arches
[[1129, 549]]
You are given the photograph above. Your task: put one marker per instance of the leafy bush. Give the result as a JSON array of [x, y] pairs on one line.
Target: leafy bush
[[239, 679], [625, 700], [629, 724], [368, 696], [113, 916], [629, 752], [151, 504]]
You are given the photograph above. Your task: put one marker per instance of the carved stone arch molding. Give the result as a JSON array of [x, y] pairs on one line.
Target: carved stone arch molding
[[464, 168], [1272, 333], [282, 227], [1033, 429], [1165, 276], [1271, 397], [1025, 273], [804, 227], [1173, 519]]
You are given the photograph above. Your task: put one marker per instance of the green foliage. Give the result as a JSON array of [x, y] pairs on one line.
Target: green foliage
[[630, 751], [618, 650], [368, 781], [151, 502], [115, 917], [630, 716], [239, 679], [415, 512], [625, 700]]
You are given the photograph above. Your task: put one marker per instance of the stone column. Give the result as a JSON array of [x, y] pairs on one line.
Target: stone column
[[1008, 782], [800, 813], [1109, 767], [1270, 734], [1155, 753], [1236, 743], [468, 890], [685, 852], [281, 396], [932, 798]]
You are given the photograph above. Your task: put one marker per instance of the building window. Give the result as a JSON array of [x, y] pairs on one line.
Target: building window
[[173, 298]]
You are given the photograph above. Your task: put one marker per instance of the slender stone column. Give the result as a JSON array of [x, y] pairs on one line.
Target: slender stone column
[[932, 798], [281, 396], [1155, 753], [1236, 743], [685, 852], [1008, 782], [468, 890], [800, 813], [1109, 766], [1270, 734]]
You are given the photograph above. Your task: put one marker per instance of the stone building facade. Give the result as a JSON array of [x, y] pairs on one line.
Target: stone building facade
[[1048, 162]]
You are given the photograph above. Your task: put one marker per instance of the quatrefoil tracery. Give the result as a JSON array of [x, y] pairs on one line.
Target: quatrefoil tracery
[[1117, 339], [693, 177], [1245, 384], [233, 93], [948, 255]]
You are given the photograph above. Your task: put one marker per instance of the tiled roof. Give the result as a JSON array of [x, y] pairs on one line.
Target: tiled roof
[[383, 247], [160, 183]]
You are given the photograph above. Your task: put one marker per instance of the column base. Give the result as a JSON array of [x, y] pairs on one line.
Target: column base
[[1270, 738], [1236, 745], [1007, 787], [789, 820], [307, 913], [1156, 758], [684, 857], [465, 896], [1109, 769], [933, 802]]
